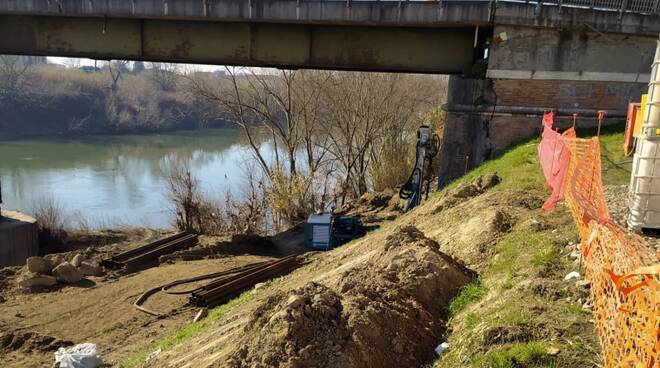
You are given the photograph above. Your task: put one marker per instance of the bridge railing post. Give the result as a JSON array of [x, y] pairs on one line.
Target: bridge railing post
[[624, 7]]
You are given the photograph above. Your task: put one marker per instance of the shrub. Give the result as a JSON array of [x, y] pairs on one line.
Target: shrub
[[51, 219]]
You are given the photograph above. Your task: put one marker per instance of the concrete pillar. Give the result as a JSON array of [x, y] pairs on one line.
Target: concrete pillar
[[484, 117]]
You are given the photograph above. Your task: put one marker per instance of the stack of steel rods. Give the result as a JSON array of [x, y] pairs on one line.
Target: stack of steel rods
[[222, 289], [226, 284], [139, 257]]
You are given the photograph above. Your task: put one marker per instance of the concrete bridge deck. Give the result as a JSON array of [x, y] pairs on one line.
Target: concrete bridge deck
[[634, 17]]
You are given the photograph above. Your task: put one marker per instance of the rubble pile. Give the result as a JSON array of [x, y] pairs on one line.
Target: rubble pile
[[48, 271]]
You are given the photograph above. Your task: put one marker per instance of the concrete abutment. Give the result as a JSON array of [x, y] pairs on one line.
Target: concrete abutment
[[484, 117]]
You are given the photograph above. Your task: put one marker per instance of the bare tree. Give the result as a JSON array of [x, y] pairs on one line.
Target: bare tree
[[364, 112], [13, 73], [164, 75], [116, 68]]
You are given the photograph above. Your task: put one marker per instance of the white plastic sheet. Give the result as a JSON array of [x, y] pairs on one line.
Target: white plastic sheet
[[80, 356]]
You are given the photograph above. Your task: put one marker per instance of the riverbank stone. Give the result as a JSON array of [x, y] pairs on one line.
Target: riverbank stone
[[66, 273], [39, 265], [90, 268], [32, 280]]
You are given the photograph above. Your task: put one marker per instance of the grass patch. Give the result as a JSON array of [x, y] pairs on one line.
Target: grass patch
[[184, 333], [468, 295], [532, 354], [521, 261], [575, 308], [472, 320], [548, 260]]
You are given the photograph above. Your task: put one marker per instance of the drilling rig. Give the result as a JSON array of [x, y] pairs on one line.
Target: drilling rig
[[428, 145]]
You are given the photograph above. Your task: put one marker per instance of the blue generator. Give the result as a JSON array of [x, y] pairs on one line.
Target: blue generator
[[326, 231]]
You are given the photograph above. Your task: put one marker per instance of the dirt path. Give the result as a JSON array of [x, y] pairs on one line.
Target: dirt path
[[101, 312]]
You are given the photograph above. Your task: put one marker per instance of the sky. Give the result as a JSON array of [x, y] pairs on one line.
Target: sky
[[90, 62]]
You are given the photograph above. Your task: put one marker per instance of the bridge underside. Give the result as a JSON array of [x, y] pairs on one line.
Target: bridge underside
[[430, 50]]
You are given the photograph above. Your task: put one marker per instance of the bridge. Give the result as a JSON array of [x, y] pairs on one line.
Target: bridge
[[509, 60], [408, 36]]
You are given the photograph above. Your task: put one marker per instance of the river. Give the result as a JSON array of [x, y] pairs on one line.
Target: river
[[116, 180]]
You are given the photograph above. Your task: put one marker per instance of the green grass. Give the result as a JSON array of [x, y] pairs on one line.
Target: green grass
[[468, 295], [520, 261], [519, 165], [184, 333], [549, 259], [532, 354], [472, 320], [575, 308]]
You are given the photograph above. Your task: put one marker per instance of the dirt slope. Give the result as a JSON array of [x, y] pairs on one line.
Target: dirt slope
[[380, 301], [384, 300]]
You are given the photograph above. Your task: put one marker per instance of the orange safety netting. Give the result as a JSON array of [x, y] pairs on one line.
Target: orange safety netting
[[554, 156], [622, 268]]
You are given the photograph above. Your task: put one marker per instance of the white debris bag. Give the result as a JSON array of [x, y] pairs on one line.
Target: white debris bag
[[80, 356], [441, 348], [572, 275]]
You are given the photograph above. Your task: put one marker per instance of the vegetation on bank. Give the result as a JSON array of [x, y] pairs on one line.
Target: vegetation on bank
[[332, 136], [522, 313]]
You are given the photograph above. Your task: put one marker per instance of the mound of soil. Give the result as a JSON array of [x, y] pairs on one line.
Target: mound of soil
[[374, 207], [388, 312], [466, 191], [30, 341]]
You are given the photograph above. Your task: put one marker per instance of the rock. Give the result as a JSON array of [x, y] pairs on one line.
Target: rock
[[77, 260], [572, 275], [90, 268], [65, 272], [201, 314], [39, 265], [32, 280], [295, 301], [488, 181], [574, 255], [153, 355], [553, 351], [281, 315], [55, 259]]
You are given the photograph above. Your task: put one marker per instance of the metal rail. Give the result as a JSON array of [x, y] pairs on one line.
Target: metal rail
[[226, 284], [140, 257], [221, 290]]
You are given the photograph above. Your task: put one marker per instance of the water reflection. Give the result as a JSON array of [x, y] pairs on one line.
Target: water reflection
[[116, 179]]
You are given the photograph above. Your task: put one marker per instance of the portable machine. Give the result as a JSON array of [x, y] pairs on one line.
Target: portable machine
[[327, 231], [428, 145]]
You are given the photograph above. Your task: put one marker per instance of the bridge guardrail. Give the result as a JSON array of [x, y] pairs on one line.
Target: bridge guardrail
[[621, 6]]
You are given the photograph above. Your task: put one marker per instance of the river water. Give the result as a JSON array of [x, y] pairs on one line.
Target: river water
[[117, 180]]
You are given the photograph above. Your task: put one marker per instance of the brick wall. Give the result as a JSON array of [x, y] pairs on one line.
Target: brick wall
[[473, 137], [567, 94]]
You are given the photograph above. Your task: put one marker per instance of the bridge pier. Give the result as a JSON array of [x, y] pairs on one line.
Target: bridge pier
[[484, 117]]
